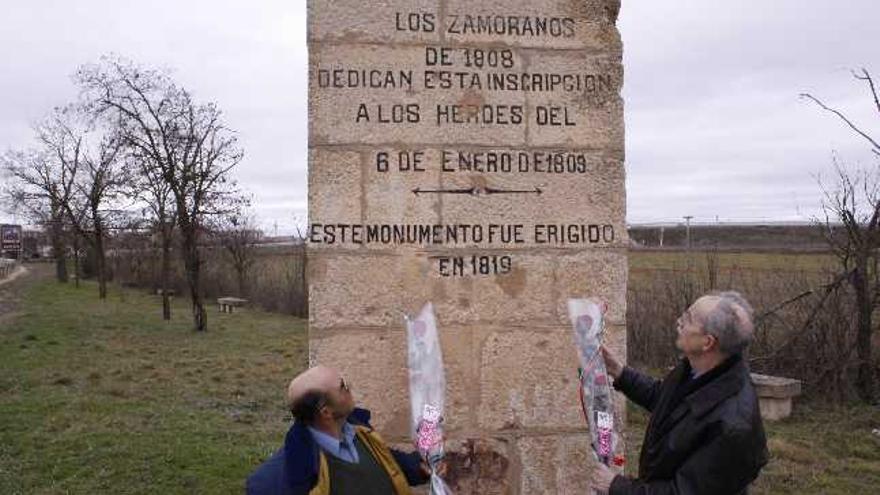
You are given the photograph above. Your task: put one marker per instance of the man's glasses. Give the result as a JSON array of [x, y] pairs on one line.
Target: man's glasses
[[320, 404], [321, 401]]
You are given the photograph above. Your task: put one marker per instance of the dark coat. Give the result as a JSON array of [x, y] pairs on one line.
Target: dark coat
[[705, 435], [293, 469]]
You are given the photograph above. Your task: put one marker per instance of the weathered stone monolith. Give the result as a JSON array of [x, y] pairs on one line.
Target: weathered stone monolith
[[469, 154]]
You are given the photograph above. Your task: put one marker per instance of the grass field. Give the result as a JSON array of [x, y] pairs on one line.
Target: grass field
[[651, 260], [104, 397]]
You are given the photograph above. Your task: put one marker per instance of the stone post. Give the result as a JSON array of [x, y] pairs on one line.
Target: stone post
[[469, 154]]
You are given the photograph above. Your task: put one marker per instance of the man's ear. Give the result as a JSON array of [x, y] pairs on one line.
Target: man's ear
[[711, 344], [326, 411]]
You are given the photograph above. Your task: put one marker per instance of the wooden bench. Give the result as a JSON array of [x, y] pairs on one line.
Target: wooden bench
[[228, 304], [775, 394]]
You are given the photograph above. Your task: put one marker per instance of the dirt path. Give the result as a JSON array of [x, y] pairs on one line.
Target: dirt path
[[11, 290]]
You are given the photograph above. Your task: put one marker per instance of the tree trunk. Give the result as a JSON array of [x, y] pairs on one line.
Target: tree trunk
[[60, 262], [76, 260], [166, 270], [101, 267], [100, 259], [865, 378], [200, 316], [58, 249], [192, 262]]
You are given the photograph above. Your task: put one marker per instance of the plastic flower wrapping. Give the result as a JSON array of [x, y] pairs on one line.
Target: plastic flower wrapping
[[427, 389], [596, 396]]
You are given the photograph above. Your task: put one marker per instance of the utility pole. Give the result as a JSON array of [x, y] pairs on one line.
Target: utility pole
[[687, 219], [690, 258]]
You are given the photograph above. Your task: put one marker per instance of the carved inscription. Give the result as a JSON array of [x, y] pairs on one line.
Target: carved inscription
[[486, 162], [488, 236], [474, 70], [496, 25], [473, 86]]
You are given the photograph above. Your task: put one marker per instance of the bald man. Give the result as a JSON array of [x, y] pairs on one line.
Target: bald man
[[705, 435], [331, 447]]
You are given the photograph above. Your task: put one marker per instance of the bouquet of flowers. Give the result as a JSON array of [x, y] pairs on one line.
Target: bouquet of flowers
[[597, 400], [427, 388]]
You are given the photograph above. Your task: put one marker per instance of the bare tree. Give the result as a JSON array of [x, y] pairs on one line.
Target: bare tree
[[43, 184], [62, 146], [90, 157], [186, 141], [239, 237], [864, 76], [149, 186], [43, 210], [853, 204], [103, 180]]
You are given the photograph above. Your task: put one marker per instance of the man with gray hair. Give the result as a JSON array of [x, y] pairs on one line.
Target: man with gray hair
[[705, 435]]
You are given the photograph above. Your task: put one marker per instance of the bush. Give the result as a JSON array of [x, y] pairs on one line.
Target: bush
[[276, 282], [804, 329]]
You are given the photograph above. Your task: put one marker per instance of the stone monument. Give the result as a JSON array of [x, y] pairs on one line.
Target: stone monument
[[469, 154]]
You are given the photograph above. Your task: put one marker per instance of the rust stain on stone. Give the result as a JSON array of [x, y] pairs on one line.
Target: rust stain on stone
[[511, 425], [472, 97], [479, 181], [472, 101], [513, 283], [476, 468]]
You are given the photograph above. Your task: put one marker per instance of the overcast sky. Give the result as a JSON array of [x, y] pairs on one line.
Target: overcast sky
[[714, 124]]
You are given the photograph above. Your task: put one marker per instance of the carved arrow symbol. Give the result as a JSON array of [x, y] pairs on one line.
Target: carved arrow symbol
[[419, 190], [478, 191], [536, 190]]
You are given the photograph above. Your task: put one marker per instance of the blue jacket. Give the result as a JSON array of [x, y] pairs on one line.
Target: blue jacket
[[293, 469]]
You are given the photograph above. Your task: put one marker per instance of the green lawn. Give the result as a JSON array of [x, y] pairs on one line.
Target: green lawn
[[107, 398]]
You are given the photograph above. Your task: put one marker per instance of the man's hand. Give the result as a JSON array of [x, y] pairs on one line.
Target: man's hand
[[601, 478], [441, 469], [612, 363]]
